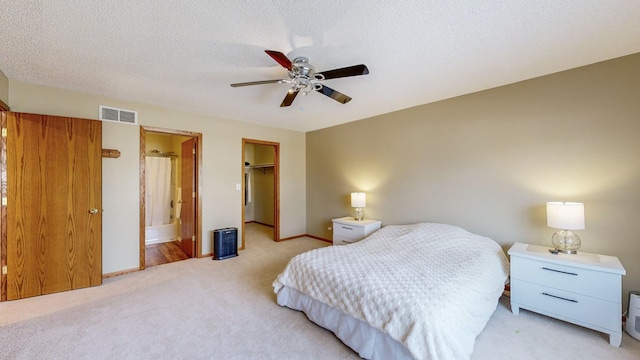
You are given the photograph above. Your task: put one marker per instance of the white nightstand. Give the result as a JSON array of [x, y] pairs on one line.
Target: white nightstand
[[583, 288], [346, 230]]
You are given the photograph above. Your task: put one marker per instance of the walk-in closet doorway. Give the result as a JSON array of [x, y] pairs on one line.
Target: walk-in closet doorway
[[260, 186]]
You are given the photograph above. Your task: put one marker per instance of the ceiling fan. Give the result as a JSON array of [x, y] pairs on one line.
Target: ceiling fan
[[304, 78]]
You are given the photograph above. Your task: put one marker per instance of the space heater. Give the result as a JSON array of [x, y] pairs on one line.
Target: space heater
[[225, 243], [633, 315]]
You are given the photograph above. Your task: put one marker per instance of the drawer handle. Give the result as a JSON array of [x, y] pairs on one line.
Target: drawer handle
[[560, 297], [560, 271], [348, 228]]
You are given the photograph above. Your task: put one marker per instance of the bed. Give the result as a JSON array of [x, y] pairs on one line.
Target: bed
[[419, 291]]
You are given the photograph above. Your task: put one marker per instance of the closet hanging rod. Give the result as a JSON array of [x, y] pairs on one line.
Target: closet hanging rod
[[258, 166], [262, 167]]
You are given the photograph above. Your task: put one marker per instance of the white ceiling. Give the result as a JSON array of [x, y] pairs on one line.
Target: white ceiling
[[183, 55]]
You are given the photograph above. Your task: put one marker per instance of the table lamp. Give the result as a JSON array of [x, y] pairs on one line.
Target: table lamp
[[358, 201], [565, 216]]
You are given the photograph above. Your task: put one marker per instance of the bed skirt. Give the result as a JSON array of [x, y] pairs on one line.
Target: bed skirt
[[367, 341]]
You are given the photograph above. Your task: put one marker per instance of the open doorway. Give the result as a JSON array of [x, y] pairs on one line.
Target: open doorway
[[170, 202], [260, 188]]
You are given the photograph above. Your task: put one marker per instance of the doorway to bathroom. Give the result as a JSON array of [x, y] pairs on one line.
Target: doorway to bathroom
[[169, 196], [260, 189]]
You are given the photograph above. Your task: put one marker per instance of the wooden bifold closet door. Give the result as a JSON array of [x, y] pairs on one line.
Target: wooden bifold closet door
[[54, 204]]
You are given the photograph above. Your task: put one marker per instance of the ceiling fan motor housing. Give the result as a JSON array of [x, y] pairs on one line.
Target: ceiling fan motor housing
[[302, 74], [300, 67]]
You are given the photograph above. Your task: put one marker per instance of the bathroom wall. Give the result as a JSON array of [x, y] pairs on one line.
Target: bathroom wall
[[168, 143]]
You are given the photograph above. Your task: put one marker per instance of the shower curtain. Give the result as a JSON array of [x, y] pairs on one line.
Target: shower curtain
[[157, 190]]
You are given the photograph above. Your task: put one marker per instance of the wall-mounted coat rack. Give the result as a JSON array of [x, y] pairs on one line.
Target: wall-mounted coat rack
[[110, 153]]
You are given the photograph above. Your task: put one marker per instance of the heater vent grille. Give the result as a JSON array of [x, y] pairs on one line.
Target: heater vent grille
[[225, 243], [633, 315], [118, 115]]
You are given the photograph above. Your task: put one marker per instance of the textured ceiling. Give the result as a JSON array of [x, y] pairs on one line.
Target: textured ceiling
[[183, 55]]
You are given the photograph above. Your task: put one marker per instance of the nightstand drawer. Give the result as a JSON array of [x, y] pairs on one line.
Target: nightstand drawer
[[348, 231], [585, 310], [596, 284], [339, 240]]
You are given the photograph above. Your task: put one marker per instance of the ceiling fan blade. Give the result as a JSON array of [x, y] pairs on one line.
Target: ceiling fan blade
[[280, 58], [258, 83], [289, 98], [344, 72], [335, 95]]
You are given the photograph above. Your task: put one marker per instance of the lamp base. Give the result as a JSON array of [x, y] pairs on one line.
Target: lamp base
[[570, 252], [358, 214], [566, 241]]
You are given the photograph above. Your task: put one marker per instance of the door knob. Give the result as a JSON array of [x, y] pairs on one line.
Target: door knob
[[93, 211]]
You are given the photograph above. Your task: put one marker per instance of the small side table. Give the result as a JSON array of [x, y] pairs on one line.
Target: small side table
[[346, 230]]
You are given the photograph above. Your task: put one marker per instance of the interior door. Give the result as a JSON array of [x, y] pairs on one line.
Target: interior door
[[54, 204], [188, 210]]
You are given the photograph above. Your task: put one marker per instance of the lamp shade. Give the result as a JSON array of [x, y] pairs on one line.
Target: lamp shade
[[565, 215], [358, 200]]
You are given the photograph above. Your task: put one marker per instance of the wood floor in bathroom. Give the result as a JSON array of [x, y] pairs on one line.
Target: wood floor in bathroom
[[162, 253]]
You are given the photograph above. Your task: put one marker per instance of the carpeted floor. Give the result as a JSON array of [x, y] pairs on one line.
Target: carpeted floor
[[205, 309]]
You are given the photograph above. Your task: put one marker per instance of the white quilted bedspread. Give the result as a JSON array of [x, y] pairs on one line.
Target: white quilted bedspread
[[431, 287]]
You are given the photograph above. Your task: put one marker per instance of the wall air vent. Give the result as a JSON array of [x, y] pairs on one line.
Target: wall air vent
[[118, 115]]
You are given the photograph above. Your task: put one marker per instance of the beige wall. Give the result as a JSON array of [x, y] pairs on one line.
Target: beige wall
[[489, 162], [221, 169], [263, 185], [4, 88]]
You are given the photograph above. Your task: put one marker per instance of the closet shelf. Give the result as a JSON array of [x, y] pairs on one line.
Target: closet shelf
[[262, 167]]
